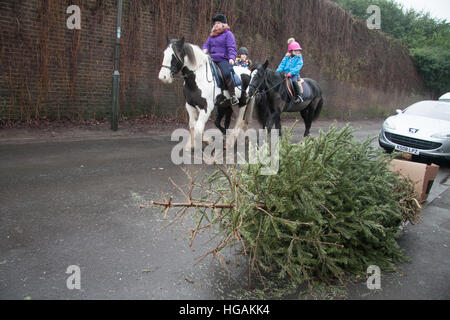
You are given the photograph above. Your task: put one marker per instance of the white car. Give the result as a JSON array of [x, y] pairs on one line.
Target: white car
[[421, 129], [445, 97]]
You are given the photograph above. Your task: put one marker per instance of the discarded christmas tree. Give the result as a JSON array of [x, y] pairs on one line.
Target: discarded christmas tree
[[334, 207]]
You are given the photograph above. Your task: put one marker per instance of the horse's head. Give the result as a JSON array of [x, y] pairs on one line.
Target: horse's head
[[173, 60], [258, 76]]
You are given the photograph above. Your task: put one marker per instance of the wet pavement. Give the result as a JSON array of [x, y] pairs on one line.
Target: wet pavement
[[78, 202]]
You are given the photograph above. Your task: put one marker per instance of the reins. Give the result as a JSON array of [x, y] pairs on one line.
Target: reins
[[179, 62], [258, 92], [265, 91], [185, 74]]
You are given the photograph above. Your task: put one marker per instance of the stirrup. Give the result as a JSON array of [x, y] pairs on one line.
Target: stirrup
[[298, 99]]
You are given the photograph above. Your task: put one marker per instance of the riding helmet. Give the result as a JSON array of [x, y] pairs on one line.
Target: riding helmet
[[294, 46], [220, 17], [242, 50]]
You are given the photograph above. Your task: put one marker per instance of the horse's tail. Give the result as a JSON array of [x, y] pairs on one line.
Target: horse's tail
[[318, 109]]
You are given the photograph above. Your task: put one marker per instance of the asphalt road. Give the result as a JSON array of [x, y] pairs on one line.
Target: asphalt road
[[77, 202]]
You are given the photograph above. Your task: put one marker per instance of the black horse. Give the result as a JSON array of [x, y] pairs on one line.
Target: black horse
[[223, 112], [224, 107], [273, 85], [262, 109]]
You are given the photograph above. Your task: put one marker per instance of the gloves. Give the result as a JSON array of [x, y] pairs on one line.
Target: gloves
[[288, 75]]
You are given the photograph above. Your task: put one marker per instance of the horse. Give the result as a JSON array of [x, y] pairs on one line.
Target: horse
[[200, 89], [273, 84], [223, 105], [223, 111], [260, 103]]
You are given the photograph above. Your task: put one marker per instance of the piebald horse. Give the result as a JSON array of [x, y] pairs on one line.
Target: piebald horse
[[200, 88]]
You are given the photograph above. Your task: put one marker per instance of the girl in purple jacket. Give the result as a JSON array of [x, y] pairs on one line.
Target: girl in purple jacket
[[221, 46]]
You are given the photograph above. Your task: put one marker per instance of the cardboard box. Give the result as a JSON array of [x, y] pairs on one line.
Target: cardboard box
[[421, 174]]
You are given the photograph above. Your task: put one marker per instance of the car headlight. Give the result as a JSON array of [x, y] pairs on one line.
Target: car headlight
[[389, 125], [441, 135]]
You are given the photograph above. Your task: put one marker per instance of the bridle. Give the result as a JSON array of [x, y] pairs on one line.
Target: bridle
[[177, 68], [256, 88], [180, 66], [257, 91]]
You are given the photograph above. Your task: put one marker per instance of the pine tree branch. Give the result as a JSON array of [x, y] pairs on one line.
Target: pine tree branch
[[206, 205]]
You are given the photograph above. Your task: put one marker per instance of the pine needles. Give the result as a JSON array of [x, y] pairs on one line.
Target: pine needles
[[334, 207]]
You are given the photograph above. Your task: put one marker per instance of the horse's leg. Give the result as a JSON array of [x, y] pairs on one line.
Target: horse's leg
[[240, 125], [307, 115], [228, 113], [275, 118], [193, 114], [276, 110], [231, 140], [248, 113], [221, 112], [199, 128], [278, 125]]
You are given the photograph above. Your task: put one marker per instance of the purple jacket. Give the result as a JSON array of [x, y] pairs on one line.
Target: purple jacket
[[222, 47]]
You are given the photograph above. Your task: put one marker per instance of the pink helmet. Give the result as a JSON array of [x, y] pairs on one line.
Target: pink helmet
[[294, 46]]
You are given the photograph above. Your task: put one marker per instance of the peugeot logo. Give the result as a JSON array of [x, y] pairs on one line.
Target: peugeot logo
[[413, 130]]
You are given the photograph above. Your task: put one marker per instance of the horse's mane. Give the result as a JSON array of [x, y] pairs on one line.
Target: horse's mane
[[274, 73], [194, 54], [268, 70], [188, 49]]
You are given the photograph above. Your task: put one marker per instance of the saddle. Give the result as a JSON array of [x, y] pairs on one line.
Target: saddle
[[305, 91], [220, 78]]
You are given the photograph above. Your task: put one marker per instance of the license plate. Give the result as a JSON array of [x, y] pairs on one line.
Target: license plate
[[406, 149]]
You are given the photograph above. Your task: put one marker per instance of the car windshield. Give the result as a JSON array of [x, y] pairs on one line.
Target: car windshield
[[430, 109], [445, 97]]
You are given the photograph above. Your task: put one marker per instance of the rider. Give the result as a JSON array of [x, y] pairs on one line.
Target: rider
[[242, 58], [291, 65], [221, 45], [290, 40]]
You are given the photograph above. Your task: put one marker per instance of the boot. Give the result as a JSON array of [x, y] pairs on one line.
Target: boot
[[230, 86], [297, 97]]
